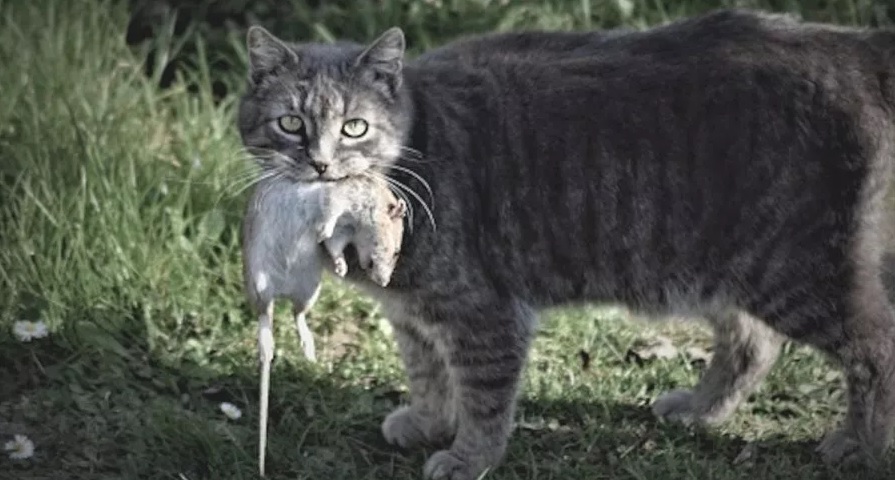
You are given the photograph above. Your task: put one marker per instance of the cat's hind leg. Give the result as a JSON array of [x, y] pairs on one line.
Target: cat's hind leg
[[850, 318], [866, 349], [745, 350]]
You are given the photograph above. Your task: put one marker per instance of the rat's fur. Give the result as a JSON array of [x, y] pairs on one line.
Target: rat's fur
[[283, 226]]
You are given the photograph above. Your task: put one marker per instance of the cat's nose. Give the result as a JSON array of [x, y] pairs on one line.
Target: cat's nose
[[319, 167]]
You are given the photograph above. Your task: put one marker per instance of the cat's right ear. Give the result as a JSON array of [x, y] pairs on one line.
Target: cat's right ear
[[383, 60], [266, 53]]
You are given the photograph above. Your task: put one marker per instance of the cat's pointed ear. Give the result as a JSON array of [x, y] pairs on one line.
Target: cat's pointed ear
[[383, 60], [266, 52]]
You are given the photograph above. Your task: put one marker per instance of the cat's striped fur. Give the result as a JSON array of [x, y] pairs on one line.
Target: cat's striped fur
[[732, 165]]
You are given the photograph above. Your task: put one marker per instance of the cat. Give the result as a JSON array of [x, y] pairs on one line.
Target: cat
[[732, 165]]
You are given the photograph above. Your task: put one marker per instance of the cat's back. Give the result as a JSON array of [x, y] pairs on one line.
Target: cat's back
[[518, 46], [722, 39], [667, 143]]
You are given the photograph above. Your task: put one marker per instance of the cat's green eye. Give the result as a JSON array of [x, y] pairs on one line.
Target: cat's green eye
[[290, 123], [355, 128]]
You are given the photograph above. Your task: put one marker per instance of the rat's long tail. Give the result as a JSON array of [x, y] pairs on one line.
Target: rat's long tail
[[265, 349]]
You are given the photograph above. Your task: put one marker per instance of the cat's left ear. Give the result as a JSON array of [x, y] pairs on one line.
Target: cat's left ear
[[383, 60], [266, 52]]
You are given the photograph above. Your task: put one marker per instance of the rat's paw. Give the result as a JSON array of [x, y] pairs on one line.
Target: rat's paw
[[340, 267]]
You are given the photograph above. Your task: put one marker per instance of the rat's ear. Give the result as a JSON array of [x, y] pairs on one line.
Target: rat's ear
[[383, 60], [266, 52], [397, 210]]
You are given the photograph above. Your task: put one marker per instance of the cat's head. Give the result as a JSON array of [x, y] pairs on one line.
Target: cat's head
[[316, 112]]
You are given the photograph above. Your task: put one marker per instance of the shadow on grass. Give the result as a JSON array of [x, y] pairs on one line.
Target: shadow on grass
[[109, 409]]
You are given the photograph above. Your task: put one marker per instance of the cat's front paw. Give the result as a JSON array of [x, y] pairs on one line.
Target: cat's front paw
[[406, 428], [675, 406], [840, 447], [447, 465]]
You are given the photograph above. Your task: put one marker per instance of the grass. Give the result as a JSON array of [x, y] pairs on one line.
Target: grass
[[120, 205]]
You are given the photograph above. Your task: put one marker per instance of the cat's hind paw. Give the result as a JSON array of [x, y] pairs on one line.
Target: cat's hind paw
[[688, 408]]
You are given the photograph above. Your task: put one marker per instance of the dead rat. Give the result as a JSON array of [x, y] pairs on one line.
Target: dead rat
[[284, 224]]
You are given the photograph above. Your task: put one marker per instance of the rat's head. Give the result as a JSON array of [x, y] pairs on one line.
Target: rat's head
[[387, 244], [324, 112]]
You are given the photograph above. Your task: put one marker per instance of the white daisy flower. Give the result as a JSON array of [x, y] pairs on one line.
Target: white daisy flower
[[26, 331], [231, 411], [20, 448]]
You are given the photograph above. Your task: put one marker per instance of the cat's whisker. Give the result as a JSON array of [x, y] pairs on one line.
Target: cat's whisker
[[398, 192], [403, 196], [417, 197], [275, 175], [237, 188], [412, 154], [416, 176], [246, 175]]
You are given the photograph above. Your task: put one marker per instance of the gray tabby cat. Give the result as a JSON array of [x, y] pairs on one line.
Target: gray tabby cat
[[733, 165]]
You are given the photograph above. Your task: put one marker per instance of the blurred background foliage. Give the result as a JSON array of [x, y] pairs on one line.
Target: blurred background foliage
[[221, 24]]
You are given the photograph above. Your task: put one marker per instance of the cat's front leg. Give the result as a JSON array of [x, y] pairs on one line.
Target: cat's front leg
[[430, 418], [485, 347]]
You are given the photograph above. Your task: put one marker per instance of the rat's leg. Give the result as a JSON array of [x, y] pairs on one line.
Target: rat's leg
[[266, 350], [331, 210], [305, 336], [335, 246]]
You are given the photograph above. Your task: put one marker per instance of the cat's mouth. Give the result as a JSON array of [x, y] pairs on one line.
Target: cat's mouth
[[327, 178]]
